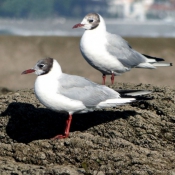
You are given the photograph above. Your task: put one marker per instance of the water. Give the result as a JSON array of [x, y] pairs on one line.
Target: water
[[63, 27]]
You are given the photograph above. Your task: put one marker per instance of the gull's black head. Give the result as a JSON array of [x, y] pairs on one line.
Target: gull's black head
[[90, 21], [42, 67]]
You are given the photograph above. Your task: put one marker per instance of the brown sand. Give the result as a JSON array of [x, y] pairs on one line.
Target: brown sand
[[20, 53]]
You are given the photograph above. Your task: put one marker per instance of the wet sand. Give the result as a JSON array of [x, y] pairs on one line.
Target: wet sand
[[20, 53]]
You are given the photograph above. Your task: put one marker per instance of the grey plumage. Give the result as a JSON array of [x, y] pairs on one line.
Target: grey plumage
[[110, 53], [79, 88], [130, 58], [120, 48], [69, 93]]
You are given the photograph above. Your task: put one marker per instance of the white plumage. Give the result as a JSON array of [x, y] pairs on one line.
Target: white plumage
[[109, 53], [72, 94]]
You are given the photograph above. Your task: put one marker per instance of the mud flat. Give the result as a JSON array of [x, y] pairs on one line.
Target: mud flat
[[20, 53], [134, 139]]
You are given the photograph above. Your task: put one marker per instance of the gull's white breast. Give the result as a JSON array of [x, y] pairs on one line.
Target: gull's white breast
[[93, 48], [47, 92]]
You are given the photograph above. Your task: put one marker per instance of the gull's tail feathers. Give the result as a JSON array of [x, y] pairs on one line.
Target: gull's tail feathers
[[133, 93], [153, 59], [163, 64], [157, 62], [116, 102]]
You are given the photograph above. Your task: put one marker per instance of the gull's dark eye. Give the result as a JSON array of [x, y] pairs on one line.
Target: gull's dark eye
[[41, 66], [91, 20]]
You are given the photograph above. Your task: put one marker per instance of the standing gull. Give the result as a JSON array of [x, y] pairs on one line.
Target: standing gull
[[73, 94], [110, 53]]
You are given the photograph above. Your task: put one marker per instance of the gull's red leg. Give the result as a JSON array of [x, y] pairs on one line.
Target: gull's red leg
[[66, 132], [104, 78], [112, 78]]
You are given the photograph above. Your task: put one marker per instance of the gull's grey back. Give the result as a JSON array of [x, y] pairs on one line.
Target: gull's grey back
[[79, 88], [120, 48]]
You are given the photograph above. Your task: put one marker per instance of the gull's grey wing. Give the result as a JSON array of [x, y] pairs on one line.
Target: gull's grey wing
[[79, 88], [120, 48]]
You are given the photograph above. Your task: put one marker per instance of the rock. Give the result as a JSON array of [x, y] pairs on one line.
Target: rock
[[132, 139]]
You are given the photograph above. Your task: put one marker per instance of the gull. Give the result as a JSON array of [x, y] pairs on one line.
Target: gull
[[110, 53], [62, 92]]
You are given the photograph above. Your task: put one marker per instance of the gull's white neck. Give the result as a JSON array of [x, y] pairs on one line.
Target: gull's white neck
[[55, 71], [93, 42], [49, 81]]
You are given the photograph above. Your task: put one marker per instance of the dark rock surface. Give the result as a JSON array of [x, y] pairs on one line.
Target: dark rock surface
[[133, 139]]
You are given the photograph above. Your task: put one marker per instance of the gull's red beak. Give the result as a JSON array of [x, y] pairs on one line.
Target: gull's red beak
[[28, 71], [78, 25]]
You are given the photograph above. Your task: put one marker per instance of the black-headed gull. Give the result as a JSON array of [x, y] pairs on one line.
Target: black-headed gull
[[109, 53], [61, 92]]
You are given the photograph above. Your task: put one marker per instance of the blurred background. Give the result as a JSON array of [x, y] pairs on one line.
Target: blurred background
[[31, 30]]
